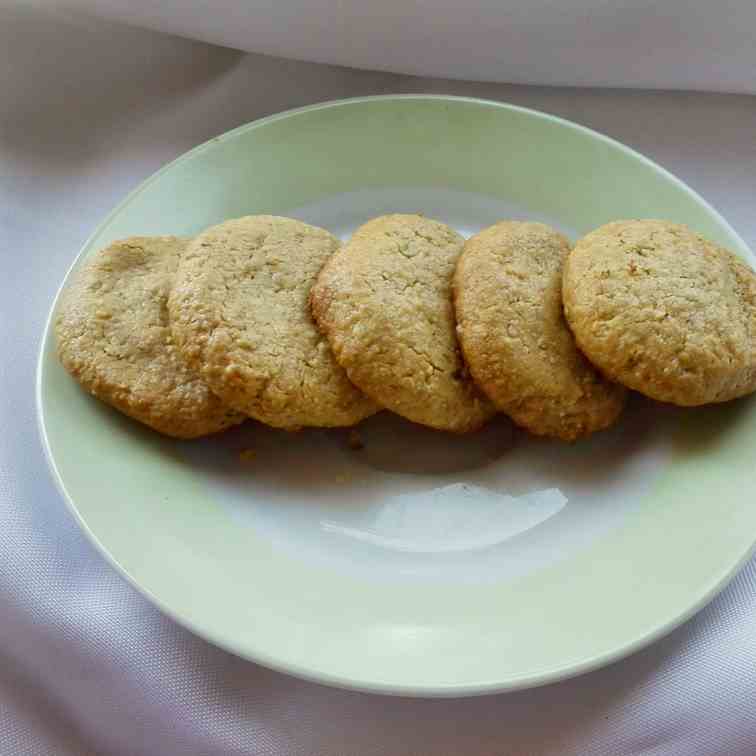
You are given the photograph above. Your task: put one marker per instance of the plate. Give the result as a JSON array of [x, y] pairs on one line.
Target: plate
[[422, 564]]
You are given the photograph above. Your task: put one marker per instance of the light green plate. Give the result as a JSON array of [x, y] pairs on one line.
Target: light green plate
[[411, 566]]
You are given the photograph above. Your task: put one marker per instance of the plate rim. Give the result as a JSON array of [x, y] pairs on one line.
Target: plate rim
[[271, 661]]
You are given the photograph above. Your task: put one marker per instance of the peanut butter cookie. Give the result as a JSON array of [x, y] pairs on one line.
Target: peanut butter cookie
[[508, 301], [664, 311], [384, 301], [113, 337], [239, 313]]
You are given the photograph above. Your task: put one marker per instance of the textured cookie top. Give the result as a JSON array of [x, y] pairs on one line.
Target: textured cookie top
[[113, 337], [239, 312], [508, 301], [664, 311], [384, 300]]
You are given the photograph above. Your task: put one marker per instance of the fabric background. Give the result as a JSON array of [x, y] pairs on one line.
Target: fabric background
[[88, 666], [680, 44]]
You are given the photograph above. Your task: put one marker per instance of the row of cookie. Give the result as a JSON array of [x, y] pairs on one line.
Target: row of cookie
[[551, 336], [653, 306], [401, 297], [190, 337], [245, 290]]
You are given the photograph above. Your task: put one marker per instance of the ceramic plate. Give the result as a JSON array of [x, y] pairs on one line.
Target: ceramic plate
[[423, 563]]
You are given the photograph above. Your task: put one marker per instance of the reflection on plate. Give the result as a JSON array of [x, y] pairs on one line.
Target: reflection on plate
[[457, 517]]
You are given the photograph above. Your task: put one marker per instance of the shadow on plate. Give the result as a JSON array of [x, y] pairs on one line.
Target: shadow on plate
[[500, 456]]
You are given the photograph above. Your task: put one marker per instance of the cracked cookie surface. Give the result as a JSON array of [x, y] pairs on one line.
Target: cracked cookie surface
[[664, 311], [384, 301], [239, 312], [508, 302], [113, 336]]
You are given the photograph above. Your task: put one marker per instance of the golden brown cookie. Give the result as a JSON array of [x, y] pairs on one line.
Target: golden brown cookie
[[508, 302], [384, 301], [664, 311], [113, 337], [239, 312]]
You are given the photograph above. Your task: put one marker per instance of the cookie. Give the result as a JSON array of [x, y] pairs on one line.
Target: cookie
[[664, 311], [113, 337], [384, 301], [240, 315], [508, 303]]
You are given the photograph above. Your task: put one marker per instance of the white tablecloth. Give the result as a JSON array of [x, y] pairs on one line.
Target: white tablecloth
[[88, 666], [678, 44]]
